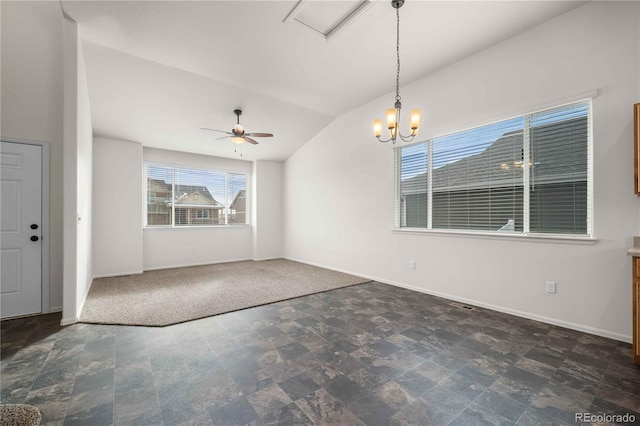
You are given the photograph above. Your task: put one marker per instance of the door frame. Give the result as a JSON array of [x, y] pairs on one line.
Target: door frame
[[45, 305]]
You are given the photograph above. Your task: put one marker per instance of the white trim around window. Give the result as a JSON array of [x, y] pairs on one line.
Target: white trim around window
[[177, 196], [529, 176]]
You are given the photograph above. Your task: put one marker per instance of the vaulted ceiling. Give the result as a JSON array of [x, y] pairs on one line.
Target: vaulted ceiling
[[158, 71]]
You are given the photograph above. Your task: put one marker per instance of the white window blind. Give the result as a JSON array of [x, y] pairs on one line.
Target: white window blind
[[477, 178], [412, 194], [191, 197], [196, 190], [559, 145], [236, 196], [528, 174], [159, 181]]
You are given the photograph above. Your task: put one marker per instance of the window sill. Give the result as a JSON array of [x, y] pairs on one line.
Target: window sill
[[200, 227], [555, 238]]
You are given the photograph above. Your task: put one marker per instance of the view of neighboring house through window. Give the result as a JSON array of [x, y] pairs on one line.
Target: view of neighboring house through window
[[529, 174], [236, 192], [187, 197]]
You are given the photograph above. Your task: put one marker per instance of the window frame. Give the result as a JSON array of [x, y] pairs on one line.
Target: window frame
[[173, 225], [202, 214], [526, 234]]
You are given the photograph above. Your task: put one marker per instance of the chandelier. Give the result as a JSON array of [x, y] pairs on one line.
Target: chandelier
[[393, 114]]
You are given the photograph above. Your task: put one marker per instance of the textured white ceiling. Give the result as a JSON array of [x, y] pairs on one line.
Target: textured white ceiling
[[160, 70]]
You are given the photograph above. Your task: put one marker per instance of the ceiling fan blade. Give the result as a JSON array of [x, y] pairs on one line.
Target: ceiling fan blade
[[214, 130], [260, 135], [248, 139], [222, 137]]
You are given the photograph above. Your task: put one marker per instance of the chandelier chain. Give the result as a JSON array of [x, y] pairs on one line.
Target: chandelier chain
[[398, 54]]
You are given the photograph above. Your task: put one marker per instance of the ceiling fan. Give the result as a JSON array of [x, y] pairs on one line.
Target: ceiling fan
[[237, 134]]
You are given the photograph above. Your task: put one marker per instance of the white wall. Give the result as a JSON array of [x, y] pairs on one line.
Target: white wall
[[267, 210], [339, 187], [120, 244], [70, 294], [117, 207], [169, 248], [32, 103], [78, 142], [85, 187]]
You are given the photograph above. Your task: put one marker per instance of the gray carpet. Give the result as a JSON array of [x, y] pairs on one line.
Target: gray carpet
[[170, 296]]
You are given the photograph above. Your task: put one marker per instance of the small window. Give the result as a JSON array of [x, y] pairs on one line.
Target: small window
[[182, 217]]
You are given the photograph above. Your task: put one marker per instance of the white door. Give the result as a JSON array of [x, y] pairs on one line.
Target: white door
[[21, 223]]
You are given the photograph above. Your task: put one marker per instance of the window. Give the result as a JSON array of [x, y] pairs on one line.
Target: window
[[202, 214], [190, 197], [236, 191], [526, 175]]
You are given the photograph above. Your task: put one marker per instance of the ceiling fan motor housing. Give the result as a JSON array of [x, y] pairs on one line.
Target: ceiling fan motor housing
[[237, 133], [238, 130]]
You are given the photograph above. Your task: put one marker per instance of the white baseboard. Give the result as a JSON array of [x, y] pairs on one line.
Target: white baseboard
[[84, 299], [186, 265], [566, 324], [68, 321], [117, 274], [262, 259]]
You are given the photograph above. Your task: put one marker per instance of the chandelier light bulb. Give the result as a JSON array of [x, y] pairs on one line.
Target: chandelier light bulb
[[415, 117], [391, 115], [377, 127]]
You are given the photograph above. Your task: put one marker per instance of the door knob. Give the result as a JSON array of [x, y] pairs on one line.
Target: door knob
[[34, 238], [34, 226]]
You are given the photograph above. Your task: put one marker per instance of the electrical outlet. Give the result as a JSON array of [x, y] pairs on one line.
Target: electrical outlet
[[551, 287], [412, 264]]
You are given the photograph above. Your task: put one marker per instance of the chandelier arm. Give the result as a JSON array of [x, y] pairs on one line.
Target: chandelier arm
[[406, 138]]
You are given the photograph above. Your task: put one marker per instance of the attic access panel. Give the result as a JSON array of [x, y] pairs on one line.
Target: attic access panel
[[327, 18]]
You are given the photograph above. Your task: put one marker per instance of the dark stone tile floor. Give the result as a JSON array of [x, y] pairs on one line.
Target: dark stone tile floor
[[369, 354]]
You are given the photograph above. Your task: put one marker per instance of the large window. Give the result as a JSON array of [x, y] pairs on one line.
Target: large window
[[526, 175], [187, 197]]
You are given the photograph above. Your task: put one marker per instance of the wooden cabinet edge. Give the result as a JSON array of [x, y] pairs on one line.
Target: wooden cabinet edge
[[636, 311], [636, 145]]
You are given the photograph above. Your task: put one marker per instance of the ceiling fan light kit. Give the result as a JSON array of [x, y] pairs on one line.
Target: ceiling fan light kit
[[393, 114], [237, 133]]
